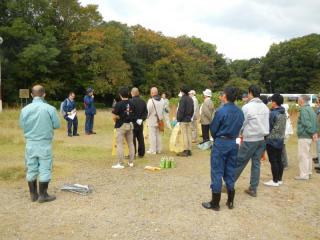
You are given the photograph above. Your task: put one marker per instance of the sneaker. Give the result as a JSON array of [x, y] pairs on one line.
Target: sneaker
[[153, 153], [301, 178], [118, 166], [131, 164], [271, 183], [280, 182]]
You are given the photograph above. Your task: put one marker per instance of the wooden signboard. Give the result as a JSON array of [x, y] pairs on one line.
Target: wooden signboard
[[24, 93]]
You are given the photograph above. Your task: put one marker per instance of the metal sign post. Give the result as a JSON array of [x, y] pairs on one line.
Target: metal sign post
[[24, 94], [1, 41]]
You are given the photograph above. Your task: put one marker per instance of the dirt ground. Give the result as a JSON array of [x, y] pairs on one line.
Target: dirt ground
[[138, 204]]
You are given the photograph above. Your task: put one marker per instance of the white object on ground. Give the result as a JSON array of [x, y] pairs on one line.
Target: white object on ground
[[271, 183], [77, 188], [118, 166]]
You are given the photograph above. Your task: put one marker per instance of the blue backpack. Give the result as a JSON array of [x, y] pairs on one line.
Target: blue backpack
[[62, 112]]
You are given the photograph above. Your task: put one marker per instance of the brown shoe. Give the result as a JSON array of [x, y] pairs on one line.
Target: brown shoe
[[251, 192], [185, 153]]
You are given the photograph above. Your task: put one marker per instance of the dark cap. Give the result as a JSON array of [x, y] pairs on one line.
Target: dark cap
[[89, 90]]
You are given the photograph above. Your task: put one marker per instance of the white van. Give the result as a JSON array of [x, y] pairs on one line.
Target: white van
[[294, 98]]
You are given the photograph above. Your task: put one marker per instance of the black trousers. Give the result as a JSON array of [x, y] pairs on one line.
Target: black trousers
[[205, 132], [138, 137], [274, 155]]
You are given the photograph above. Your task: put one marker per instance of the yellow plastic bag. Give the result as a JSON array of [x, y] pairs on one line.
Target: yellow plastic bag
[[114, 145], [176, 140]]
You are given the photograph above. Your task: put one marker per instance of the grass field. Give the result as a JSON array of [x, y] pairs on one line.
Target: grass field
[[136, 204]]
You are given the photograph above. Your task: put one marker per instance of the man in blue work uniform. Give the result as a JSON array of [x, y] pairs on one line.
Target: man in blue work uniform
[[90, 111], [38, 120], [225, 128], [69, 107]]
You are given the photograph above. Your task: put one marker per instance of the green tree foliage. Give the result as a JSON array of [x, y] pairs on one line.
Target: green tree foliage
[[247, 69], [293, 66], [66, 46], [241, 83]]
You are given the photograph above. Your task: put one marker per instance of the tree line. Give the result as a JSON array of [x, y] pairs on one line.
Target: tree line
[[66, 46]]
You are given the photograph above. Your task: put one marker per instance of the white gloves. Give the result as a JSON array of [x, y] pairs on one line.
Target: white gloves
[[139, 121]]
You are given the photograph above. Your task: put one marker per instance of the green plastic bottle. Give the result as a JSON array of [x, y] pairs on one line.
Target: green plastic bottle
[[163, 163], [168, 163]]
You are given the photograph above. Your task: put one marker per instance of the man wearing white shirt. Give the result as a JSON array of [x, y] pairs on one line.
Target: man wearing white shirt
[[255, 129], [194, 122]]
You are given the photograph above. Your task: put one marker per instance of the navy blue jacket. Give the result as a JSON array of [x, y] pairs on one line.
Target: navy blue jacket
[[227, 122], [89, 107], [68, 105]]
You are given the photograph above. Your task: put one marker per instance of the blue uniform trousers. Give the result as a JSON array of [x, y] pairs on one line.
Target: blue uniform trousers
[[74, 123], [38, 160], [223, 163], [89, 123]]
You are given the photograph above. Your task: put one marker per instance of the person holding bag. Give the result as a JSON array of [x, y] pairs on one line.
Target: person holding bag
[[124, 115], [155, 107], [184, 118]]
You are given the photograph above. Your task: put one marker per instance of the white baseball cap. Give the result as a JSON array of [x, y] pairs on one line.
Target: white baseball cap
[[207, 93]]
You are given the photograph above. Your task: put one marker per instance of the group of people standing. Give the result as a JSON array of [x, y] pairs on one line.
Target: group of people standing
[[129, 115], [68, 110], [258, 128]]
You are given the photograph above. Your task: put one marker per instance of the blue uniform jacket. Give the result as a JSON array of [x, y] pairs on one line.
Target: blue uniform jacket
[[68, 105], [38, 120], [227, 122], [90, 109]]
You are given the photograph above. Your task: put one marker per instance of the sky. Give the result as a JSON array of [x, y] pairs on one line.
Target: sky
[[241, 29]]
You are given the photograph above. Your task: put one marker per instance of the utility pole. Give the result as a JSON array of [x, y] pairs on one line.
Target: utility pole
[[270, 87], [1, 41]]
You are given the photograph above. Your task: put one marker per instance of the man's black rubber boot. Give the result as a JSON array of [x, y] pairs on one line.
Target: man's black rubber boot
[[214, 204], [43, 195], [230, 199], [189, 153], [33, 190]]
